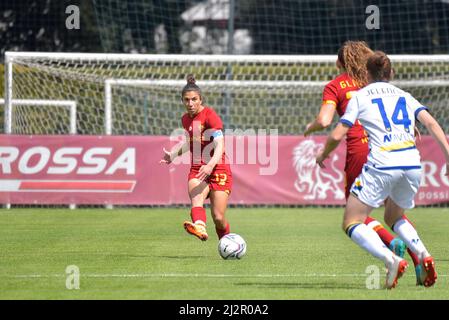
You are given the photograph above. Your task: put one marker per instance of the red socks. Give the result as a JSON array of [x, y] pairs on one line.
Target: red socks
[[381, 231], [198, 214], [387, 237], [222, 232]]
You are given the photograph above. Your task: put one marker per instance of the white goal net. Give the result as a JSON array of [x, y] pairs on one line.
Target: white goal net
[[129, 94]]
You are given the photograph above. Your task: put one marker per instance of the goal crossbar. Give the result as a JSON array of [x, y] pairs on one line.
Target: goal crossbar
[[70, 104], [10, 56], [110, 83]]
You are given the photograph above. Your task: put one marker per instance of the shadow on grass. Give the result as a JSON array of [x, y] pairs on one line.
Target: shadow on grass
[[302, 285], [181, 257]]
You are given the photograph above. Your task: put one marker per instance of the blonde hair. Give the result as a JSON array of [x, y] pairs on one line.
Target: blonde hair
[[353, 56]]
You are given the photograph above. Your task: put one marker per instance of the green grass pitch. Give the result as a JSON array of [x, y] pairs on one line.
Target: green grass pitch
[[146, 254]]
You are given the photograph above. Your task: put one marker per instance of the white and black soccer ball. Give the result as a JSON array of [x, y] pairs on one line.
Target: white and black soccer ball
[[232, 246]]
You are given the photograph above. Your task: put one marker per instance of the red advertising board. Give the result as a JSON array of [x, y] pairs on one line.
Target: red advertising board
[[125, 170]]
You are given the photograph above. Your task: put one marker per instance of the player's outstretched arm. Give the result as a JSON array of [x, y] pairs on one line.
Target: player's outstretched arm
[[322, 121], [437, 133], [333, 140], [177, 151]]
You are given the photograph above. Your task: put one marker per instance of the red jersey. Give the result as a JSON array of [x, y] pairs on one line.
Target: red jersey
[[338, 92], [201, 129]]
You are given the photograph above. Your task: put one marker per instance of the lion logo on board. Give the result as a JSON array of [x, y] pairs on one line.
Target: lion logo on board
[[311, 180]]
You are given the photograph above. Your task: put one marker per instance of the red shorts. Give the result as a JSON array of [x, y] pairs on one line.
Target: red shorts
[[219, 180], [353, 167]]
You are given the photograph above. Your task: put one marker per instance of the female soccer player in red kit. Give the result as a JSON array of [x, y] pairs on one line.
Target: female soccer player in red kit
[[352, 58], [210, 175]]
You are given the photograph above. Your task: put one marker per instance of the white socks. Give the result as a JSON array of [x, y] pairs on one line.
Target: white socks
[[369, 240], [409, 235]]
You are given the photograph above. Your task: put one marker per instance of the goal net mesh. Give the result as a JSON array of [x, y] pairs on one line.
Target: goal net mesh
[[249, 92]]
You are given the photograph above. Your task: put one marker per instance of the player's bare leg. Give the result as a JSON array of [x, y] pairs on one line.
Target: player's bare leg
[[198, 191], [356, 212], [219, 203]]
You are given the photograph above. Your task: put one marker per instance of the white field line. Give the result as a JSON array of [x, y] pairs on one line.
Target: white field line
[[199, 275]]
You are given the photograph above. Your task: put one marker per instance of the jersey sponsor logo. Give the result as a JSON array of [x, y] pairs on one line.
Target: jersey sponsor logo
[[398, 137], [312, 181]]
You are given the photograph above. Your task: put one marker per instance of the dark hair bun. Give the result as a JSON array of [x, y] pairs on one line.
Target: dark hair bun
[[191, 79]]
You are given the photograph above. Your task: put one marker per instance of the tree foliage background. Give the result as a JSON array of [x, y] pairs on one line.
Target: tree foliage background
[[40, 25], [321, 26], [274, 26]]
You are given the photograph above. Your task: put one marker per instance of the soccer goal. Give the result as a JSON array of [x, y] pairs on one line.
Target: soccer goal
[[58, 126], [132, 94]]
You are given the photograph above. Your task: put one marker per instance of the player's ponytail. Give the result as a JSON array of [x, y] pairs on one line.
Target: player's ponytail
[[379, 67], [191, 79], [191, 85]]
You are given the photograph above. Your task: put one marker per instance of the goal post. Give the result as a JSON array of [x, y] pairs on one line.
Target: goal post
[[247, 90], [226, 86], [140, 94], [69, 104]]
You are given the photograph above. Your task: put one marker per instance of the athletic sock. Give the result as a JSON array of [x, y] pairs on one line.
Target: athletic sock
[[414, 257], [383, 233], [408, 234], [222, 232], [198, 215], [369, 240]]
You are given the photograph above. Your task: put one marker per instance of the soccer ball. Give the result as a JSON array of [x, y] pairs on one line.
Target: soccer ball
[[232, 246]]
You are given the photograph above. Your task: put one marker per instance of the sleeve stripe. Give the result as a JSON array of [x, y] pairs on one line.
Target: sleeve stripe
[[329, 102], [419, 110], [346, 122]]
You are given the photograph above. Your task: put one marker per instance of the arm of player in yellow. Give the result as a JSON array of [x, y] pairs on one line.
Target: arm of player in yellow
[[324, 118], [333, 140], [437, 133]]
